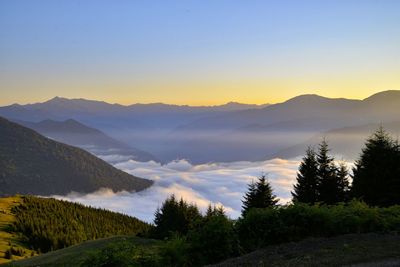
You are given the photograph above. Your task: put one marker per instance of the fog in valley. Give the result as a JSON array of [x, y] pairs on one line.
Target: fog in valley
[[214, 183], [204, 184]]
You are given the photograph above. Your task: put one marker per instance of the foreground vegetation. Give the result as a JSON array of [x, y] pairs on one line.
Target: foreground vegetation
[[131, 251], [357, 250], [113, 250]]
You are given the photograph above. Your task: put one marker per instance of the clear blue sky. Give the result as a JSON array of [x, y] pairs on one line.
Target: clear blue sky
[[197, 52]]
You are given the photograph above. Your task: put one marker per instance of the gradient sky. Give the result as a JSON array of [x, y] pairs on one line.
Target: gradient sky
[[197, 52]]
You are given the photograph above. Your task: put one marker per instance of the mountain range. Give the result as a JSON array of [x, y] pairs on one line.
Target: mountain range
[[231, 132], [33, 164]]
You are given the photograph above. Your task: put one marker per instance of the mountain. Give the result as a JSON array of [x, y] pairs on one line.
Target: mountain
[[59, 108], [74, 133], [33, 164], [232, 132], [143, 126], [344, 142], [258, 134]]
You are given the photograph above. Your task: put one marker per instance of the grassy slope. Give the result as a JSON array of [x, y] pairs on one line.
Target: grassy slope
[[344, 250], [6, 218], [336, 251], [75, 255]]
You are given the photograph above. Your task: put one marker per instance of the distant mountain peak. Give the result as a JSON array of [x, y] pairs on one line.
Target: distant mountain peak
[[388, 95], [56, 99], [307, 98]]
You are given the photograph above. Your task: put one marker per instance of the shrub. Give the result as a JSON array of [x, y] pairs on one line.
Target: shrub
[[262, 227], [175, 252], [213, 239]]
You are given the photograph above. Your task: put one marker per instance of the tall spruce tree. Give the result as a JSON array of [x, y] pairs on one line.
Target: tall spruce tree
[[259, 195], [249, 199], [306, 187], [328, 182], [376, 175], [343, 182]]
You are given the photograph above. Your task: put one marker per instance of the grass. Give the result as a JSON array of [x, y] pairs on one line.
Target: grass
[[75, 255], [353, 250], [348, 250], [7, 238]]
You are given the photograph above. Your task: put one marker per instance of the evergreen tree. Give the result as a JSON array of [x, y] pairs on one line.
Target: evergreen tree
[[343, 182], [213, 239], [260, 195], [175, 217], [249, 198], [214, 211], [328, 182], [306, 187], [376, 175]]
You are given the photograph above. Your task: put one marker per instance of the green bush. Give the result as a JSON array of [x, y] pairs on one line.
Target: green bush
[[123, 254], [213, 240], [262, 227], [175, 252]]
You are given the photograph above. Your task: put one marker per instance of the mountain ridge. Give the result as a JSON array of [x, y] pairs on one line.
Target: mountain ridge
[[77, 134], [203, 134], [33, 164]]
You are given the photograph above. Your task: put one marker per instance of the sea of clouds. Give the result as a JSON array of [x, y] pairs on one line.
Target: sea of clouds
[[215, 183]]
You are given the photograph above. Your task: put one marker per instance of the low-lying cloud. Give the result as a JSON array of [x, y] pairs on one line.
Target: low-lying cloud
[[216, 183]]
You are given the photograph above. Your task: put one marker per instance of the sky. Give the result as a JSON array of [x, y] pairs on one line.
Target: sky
[[197, 52]]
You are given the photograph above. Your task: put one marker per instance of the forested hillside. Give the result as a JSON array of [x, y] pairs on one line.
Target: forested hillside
[[50, 224], [33, 164], [32, 225]]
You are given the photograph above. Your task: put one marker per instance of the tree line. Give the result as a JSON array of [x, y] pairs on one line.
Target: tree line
[[375, 177]]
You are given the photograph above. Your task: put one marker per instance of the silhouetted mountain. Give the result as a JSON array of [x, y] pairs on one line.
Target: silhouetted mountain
[[33, 164], [74, 133], [59, 108]]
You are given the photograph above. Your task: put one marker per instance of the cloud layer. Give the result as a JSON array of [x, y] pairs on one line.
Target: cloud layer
[[216, 183]]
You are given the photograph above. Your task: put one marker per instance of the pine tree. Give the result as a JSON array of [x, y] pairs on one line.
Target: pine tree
[[260, 195], [343, 182], [306, 187], [328, 184], [376, 175], [249, 198], [175, 217]]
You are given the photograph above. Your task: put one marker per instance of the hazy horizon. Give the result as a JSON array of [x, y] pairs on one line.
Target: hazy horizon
[[185, 104]]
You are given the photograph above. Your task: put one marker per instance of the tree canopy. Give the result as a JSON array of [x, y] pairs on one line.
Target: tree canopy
[[376, 175], [306, 187], [320, 179], [259, 195]]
